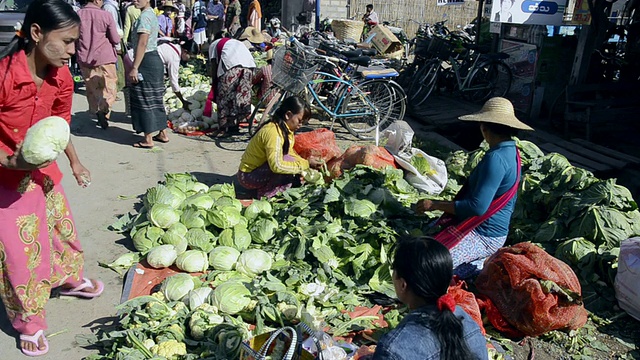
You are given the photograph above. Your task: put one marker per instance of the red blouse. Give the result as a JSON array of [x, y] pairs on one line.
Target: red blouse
[[22, 104]]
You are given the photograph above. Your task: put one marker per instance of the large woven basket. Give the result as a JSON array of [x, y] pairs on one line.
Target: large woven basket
[[347, 29]]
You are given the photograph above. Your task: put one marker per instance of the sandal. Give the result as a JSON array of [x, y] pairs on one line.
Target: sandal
[[140, 145], [78, 291], [160, 140], [103, 122], [34, 340]]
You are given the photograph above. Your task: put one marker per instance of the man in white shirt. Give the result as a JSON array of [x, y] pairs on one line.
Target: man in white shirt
[[171, 56], [232, 67], [370, 17]]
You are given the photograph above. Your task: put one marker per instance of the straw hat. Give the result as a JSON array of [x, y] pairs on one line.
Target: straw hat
[[497, 110], [253, 35], [170, 4]]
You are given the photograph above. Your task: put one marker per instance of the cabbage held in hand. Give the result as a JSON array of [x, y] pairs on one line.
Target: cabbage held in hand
[[45, 140], [177, 286], [231, 297], [163, 216], [162, 256], [193, 261], [223, 258], [254, 262]]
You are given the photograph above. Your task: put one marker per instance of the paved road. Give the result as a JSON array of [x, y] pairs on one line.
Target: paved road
[[120, 172]]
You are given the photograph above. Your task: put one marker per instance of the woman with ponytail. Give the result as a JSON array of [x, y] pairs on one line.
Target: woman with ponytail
[[39, 247], [435, 328], [270, 164]]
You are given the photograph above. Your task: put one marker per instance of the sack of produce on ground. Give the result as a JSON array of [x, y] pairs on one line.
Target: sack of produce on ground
[[467, 301], [320, 143], [627, 283], [370, 155], [533, 291]]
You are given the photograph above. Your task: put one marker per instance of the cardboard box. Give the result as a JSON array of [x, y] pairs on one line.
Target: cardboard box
[[383, 39]]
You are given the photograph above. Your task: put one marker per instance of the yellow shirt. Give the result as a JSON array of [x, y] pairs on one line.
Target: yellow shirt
[[266, 146], [132, 14]]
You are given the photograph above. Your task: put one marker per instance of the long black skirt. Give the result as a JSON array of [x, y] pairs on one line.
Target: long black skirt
[[147, 107]]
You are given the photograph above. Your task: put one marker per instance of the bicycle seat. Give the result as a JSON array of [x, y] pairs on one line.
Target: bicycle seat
[[360, 60], [380, 74], [482, 49], [369, 52], [352, 53], [496, 56]]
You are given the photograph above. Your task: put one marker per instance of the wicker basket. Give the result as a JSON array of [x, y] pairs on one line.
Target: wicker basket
[[347, 29]]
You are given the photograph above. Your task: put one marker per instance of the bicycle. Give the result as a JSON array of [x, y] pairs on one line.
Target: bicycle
[[293, 70], [478, 75]]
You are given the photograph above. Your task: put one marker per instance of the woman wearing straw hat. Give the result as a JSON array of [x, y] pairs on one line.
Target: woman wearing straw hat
[[476, 223], [165, 22], [253, 39]]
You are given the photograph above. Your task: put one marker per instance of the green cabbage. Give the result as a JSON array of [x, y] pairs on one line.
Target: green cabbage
[[263, 230], [45, 140], [359, 208], [256, 208], [163, 216], [192, 261], [200, 239], [193, 217], [225, 217], [146, 238], [225, 201], [200, 187], [178, 228], [163, 195], [198, 297], [223, 258], [238, 237], [200, 200], [177, 286], [174, 238], [254, 262], [231, 297], [162, 256], [219, 190]]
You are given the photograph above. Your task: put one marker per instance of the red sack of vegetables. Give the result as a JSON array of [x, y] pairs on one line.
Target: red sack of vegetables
[[320, 143], [534, 292], [467, 301], [370, 155]]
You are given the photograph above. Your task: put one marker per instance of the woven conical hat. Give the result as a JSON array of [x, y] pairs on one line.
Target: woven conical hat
[[497, 110]]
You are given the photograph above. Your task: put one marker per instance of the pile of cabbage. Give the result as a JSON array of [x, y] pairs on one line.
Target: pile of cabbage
[[195, 89]]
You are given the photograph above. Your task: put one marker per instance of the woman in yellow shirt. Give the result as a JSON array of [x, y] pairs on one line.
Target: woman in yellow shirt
[[270, 164]]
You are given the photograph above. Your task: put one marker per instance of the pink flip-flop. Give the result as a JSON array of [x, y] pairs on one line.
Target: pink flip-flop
[[34, 340], [78, 290]]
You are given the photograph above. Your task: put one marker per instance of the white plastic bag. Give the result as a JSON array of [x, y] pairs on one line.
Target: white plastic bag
[[627, 282], [399, 136]]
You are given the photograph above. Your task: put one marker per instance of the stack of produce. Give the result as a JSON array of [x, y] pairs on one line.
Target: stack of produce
[[315, 253]]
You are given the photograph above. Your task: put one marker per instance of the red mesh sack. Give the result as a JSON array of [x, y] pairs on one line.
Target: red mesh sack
[[320, 143], [370, 155], [533, 291], [467, 301]]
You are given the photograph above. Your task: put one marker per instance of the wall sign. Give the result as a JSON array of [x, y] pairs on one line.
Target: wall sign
[[450, 2], [530, 12]]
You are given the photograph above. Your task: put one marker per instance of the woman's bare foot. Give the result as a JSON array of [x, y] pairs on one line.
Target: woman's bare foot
[[89, 290], [29, 346]]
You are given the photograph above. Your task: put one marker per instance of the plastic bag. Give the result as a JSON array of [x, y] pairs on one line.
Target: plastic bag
[[627, 282], [399, 139], [320, 143], [534, 292]]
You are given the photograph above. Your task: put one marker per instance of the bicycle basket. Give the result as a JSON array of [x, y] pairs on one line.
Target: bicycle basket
[[440, 48], [293, 68]]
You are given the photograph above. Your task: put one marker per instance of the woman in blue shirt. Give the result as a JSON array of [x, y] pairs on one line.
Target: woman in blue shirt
[[478, 218], [435, 328]]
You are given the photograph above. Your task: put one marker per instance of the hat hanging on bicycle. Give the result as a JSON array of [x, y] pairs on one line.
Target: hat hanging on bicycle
[[253, 35], [497, 110], [275, 22]]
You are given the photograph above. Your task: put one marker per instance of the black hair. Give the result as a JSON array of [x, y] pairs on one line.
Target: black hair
[[218, 35], [296, 105], [427, 268], [49, 15], [500, 130], [369, 6]]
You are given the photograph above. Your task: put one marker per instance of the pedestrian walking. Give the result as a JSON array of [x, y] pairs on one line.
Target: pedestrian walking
[[215, 18], [39, 245], [199, 21], [232, 20], [147, 79], [97, 59]]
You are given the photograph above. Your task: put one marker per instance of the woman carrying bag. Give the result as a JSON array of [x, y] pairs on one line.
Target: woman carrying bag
[[475, 225]]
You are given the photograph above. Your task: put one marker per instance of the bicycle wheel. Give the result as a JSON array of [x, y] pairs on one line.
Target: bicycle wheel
[[388, 97], [488, 80], [265, 109], [360, 112], [424, 83]]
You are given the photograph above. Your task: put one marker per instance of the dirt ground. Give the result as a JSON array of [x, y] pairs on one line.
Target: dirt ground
[[121, 173]]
